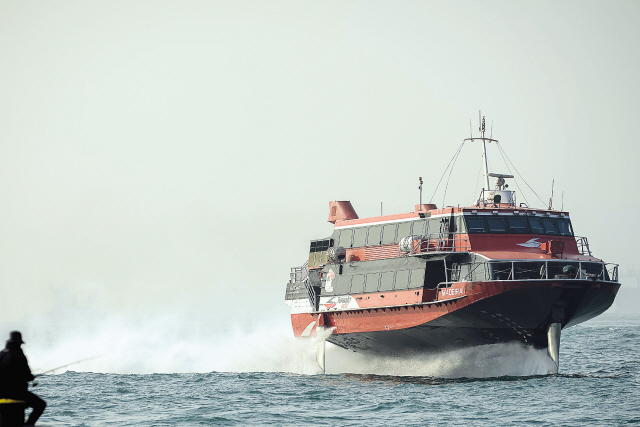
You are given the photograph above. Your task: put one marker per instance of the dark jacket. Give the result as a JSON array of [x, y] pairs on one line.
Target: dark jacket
[[14, 371]]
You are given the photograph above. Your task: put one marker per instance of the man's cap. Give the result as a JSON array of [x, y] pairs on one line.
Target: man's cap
[[15, 336]]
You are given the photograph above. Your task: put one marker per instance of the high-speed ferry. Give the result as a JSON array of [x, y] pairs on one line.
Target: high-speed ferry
[[441, 278]]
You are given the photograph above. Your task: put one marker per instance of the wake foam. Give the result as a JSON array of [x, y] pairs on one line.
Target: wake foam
[[164, 344], [487, 361]]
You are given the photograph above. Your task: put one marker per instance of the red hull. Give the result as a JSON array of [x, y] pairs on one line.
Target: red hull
[[528, 306]]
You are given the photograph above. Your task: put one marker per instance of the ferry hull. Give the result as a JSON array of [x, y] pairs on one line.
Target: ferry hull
[[487, 313]]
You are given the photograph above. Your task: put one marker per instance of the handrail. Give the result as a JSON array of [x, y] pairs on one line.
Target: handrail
[[301, 275], [452, 242], [583, 246], [436, 242], [489, 201], [536, 270], [298, 274]]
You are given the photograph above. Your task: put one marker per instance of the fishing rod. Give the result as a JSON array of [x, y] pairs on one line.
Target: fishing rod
[[64, 366]]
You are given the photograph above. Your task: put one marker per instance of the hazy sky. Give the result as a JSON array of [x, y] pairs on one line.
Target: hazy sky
[[177, 156]]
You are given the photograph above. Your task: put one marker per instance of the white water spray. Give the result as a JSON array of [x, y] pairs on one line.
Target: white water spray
[[166, 345], [494, 360]]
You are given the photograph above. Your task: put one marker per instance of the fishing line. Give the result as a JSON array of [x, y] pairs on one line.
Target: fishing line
[[64, 366]]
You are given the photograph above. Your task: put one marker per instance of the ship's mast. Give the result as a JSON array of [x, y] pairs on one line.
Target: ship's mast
[[487, 193], [484, 153]]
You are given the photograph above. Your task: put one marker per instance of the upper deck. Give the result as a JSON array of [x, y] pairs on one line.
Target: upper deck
[[494, 232]]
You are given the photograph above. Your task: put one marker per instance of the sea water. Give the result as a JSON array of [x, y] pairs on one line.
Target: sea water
[[598, 384]]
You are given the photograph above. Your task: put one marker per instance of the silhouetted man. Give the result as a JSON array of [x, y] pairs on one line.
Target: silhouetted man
[[14, 376]]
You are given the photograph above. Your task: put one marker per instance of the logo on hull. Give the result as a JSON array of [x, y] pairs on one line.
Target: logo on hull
[[340, 303], [533, 243]]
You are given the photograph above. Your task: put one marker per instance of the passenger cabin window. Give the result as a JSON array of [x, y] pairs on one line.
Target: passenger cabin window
[[357, 284], [345, 238], [389, 234], [372, 282], [374, 235], [341, 284], [417, 278], [434, 226], [359, 237], [386, 280], [404, 229], [320, 245], [402, 279], [418, 228]]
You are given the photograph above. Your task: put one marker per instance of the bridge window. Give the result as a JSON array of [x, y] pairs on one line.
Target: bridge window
[[497, 224], [564, 225], [550, 226], [475, 224], [517, 225], [536, 226]]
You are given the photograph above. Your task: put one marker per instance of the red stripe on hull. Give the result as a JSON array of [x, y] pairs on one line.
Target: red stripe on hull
[[408, 316]]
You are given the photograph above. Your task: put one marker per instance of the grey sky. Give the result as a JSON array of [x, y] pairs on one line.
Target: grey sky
[[177, 156]]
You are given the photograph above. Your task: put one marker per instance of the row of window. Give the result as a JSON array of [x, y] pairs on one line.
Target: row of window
[[518, 225], [320, 245], [376, 282], [386, 234], [376, 235]]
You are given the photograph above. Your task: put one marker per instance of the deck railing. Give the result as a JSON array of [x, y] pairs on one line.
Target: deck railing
[[583, 246], [301, 275], [449, 242], [455, 242], [533, 270], [487, 198]]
